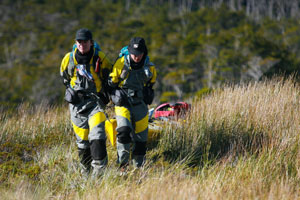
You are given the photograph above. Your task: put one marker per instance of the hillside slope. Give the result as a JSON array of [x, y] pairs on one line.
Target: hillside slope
[[239, 142]]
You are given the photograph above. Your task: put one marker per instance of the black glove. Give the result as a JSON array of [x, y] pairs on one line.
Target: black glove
[[104, 97], [108, 89], [148, 94]]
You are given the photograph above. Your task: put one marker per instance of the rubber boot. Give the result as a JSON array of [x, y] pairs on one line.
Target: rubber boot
[[99, 167], [85, 160], [123, 151], [138, 161]]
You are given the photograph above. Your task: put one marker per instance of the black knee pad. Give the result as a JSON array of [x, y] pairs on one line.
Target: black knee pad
[[140, 148], [98, 149], [124, 129], [123, 135]]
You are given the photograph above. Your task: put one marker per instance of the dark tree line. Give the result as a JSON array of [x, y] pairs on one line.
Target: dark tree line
[[197, 45]]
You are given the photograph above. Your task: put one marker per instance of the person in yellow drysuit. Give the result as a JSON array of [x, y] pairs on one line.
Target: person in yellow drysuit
[[132, 79], [83, 71]]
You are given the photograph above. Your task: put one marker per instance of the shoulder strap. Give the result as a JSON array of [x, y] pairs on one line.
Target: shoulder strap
[[71, 65], [147, 71], [97, 62], [127, 62], [125, 69], [103, 73], [146, 63]]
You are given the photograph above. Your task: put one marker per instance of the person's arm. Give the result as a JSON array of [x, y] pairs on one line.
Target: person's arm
[[106, 65], [64, 70], [154, 75], [114, 76]]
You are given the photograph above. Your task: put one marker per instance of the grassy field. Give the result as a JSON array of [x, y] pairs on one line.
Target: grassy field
[[239, 142]]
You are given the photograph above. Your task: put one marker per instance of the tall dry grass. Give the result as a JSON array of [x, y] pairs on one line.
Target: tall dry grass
[[240, 142], [248, 135]]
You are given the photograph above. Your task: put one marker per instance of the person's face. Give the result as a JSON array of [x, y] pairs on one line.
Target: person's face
[[84, 46], [136, 58]]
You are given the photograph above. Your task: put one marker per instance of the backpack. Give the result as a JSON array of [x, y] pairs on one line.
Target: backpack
[[167, 110], [124, 52]]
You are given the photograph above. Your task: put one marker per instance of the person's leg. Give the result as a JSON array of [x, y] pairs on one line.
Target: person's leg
[[85, 159], [97, 138], [124, 128], [123, 147], [139, 154], [80, 127], [140, 137]]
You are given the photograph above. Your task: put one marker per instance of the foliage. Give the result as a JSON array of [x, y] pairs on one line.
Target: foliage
[[194, 44]]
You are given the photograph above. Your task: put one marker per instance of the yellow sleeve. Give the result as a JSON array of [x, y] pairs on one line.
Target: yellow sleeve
[[116, 71], [105, 61], [154, 74], [65, 63], [64, 69]]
